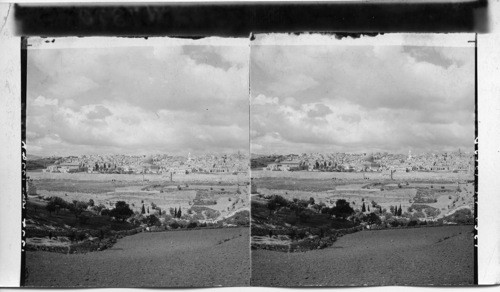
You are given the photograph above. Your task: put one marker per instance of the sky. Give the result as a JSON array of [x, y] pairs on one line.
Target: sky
[[361, 98], [141, 99]]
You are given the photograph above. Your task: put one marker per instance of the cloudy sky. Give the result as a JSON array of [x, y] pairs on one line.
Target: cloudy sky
[[139, 99], [361, 98]]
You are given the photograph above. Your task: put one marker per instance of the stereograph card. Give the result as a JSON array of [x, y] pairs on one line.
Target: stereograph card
[[274, 160]]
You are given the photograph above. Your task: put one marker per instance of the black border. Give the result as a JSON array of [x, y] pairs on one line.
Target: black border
[[24, 197], [476, 176], [239, 19]]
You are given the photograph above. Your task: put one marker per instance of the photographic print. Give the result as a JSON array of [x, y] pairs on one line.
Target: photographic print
[[137, 162], [362, 160]]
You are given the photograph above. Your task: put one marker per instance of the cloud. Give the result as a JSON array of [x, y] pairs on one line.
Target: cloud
[[319, 111], [99, 112], [137, 100], [387, 98]]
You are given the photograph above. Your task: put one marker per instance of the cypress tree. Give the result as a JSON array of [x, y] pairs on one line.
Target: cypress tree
[[179, 213], [143, 210], [175, 213], [363, 209]]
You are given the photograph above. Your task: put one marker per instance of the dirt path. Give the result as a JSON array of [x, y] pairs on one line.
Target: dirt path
[[196, 258], [420, 256]]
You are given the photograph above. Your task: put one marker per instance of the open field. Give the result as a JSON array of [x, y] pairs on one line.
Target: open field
[[424, 176], [196, 258], [420, 256], [230, 192], [444, 191], [177, 178]]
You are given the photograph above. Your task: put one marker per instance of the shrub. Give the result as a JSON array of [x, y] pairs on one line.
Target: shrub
[[121, 211], [301, 234], [175, 225], [192, 224], [413, 223], [152, 220]]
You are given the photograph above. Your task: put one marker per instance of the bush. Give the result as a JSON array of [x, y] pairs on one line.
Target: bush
[[192, 224], [121, 211], [175, 225], [413, 223], [152, 220], [301, 234]]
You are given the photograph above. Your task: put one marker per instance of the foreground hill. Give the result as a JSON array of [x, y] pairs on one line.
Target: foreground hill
[[417, 256], [197, 258]]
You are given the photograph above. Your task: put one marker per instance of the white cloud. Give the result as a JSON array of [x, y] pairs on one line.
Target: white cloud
[[372, 97], [133, 99]]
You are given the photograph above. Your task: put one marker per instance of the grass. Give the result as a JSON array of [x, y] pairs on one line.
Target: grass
[[80, 186]]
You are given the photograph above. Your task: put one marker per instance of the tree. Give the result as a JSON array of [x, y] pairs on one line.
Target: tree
[[363, 208], [272, 206], [279, 201], [77, 207], [372, 218], [143, 210], [311, 201], [91, 203], [175, 213], [121, 211], [391, 208], [342, 209], [179, 213], [400, 211], [152, 220], [368, 208], [171, 210], [51, 207], [304, 215]]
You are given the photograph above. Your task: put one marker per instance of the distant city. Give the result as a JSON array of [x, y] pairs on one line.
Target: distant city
[[457, 161], [145, 164]]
